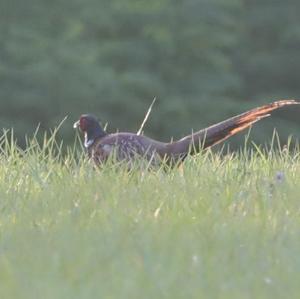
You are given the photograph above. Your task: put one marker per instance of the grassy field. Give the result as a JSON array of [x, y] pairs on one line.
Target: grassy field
[[218, 227]]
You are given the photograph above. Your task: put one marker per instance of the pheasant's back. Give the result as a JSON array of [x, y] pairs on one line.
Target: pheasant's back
[[126, 146]]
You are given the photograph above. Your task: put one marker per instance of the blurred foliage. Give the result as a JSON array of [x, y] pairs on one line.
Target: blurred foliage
[[203, 60]]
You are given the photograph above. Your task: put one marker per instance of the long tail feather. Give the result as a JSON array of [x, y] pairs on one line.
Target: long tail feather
[[223, 130]]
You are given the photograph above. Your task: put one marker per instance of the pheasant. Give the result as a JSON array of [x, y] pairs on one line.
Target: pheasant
[[129, 146]]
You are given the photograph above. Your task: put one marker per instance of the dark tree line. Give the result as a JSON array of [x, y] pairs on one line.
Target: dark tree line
[[203, 60]]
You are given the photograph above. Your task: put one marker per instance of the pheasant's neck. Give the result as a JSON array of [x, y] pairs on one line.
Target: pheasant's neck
[[91, 136]]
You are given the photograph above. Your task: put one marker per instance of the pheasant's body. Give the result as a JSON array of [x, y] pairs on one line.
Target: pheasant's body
[[126, 146], [129, 146]]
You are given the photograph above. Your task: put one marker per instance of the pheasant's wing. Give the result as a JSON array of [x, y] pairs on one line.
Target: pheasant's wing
[[123, 146]]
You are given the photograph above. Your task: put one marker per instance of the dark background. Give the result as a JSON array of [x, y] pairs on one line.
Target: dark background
[[204, 60]]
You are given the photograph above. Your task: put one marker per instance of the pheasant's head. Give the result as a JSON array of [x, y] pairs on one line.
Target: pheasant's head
[[91, 128]]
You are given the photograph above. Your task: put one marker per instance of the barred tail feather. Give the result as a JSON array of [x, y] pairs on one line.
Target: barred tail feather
[[223, 130]]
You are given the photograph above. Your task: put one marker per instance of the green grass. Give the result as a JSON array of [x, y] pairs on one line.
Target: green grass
[[219, 227]]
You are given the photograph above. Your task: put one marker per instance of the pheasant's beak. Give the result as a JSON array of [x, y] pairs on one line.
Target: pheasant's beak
[[76, 125]]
